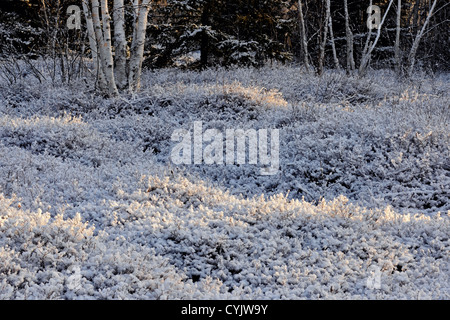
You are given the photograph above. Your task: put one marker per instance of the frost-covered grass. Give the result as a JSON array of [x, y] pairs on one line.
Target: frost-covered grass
[[92, 208]]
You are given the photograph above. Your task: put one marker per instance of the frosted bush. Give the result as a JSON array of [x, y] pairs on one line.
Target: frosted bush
[[40, 256], [92, 208]]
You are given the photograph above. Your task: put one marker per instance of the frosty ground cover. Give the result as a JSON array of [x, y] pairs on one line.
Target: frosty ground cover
[[91, 206]]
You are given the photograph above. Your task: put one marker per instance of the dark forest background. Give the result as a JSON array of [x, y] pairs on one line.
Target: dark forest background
[[234, 32]]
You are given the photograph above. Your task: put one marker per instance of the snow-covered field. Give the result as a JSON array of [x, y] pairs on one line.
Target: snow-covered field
[[91, 207]]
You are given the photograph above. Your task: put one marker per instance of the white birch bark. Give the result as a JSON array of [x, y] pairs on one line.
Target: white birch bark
[[91, 33], [366, 56], [104, 52], [107, 57], [397, 37], [324, 42], [120, 44], [349, 36], [369, 35], [136, 5], [137, 47], [303, 35], [330, 26], [99, 30], [415, 46], [93, 45]]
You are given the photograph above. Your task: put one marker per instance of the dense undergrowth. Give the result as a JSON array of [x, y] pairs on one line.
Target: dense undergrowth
[[92, 207]]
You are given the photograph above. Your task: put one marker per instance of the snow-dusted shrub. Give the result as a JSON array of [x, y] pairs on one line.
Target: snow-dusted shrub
[[374, 139], [63, 137], [98, 211], [278, 248], [57, 258]]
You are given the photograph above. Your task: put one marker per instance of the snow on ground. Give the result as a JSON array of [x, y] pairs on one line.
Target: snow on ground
[[91, 206]]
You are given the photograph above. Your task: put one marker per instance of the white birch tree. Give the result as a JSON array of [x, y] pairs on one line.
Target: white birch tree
[[93, 46], [349, 37], [330, 26], [120, 44], [324, 40], [367, 53], [369, 36], [104, 37], [397, 57], [114, 70], [137, 46], [415, 45], [303, 36]]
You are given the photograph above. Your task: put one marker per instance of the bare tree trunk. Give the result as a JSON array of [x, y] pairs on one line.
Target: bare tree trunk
[[105, 52], [366, 56], [136, 5], [397, 38], [349, 36], [324, 42], [303, 35], [369, 35], [415, 46], [93, 45], [120, 44], [108, 60], [330, 26], [137, 47]]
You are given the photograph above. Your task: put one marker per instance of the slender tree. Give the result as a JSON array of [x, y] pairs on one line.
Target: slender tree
[[369, 36], [415, 45], [397, 37], [330, 26], [94, 46], [324, 40], [367, 54], [349, 37], [303, 36], [137, 46]]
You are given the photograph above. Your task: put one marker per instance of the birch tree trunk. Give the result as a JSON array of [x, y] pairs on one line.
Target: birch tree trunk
[[136, 4], [330, 26], [369, 35], [366, 56], [120, 44], [107, 57], [324, 41], [349, 36], [397, 38], [105, 52], [137, 47], [415, 46], [303, 35], [93, 45]]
